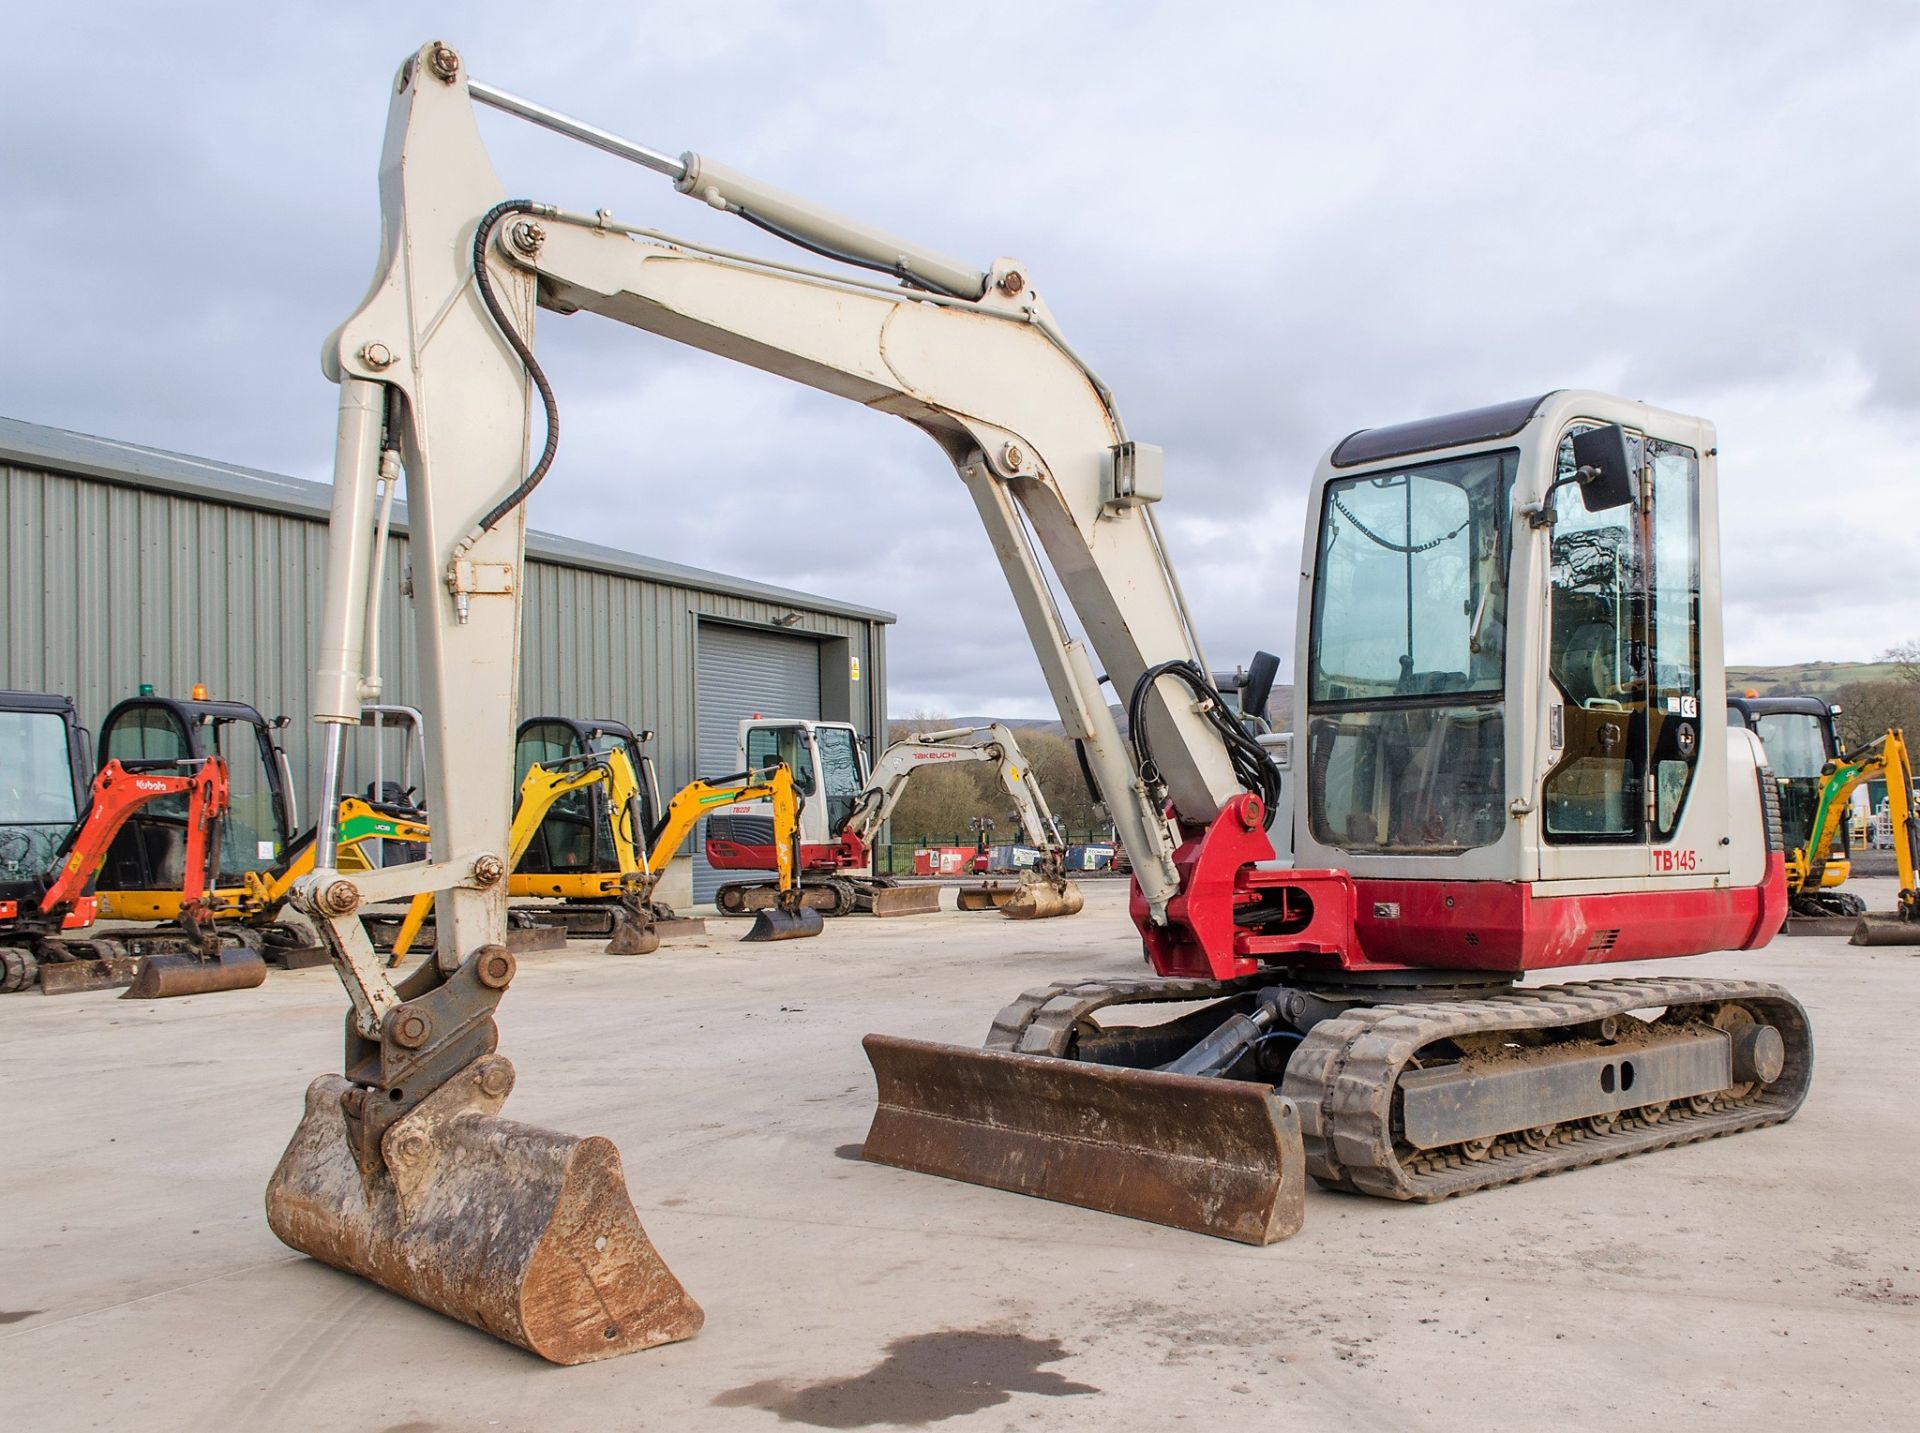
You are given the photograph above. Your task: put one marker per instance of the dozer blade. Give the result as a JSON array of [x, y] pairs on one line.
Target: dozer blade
[[1215, 1156], [161, 977], [1039, 900], [905, 900], [523, 1232], [777, 924], [1869, 930], [68, 977]]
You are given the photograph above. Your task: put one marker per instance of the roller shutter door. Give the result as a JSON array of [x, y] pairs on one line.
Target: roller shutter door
[[742, 672]]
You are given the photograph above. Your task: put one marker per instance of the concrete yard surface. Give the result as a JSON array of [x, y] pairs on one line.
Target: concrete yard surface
[[1769, 1280]]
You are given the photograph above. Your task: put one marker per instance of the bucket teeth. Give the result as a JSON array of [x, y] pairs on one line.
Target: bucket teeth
[[1219, 1157], [523, 1232]]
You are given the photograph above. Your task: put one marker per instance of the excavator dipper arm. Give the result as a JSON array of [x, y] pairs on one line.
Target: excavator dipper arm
[[119, 791]]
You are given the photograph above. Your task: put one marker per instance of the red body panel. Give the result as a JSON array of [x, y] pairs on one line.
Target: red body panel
[[1499, 925], [847, 854], [1231, 919]]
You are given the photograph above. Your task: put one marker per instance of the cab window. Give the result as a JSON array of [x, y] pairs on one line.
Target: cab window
[[786, 744]]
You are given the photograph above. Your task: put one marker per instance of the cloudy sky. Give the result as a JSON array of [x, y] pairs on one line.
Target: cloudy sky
[[1265, 225]]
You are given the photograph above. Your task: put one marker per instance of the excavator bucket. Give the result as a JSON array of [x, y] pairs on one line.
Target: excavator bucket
[[1215, 1156], [633, 937], [778, 923], [1041, 900], [986, 896], [161, 977], [523, 1232], [1870, 930], [1023, 900]]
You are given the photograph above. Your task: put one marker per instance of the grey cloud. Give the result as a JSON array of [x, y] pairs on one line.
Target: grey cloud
[[1266, 226]]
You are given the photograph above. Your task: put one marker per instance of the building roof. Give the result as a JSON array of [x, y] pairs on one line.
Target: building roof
[[155, 469]]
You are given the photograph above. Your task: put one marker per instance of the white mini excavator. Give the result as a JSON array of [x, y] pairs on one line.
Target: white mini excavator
[[851, 804], [1508, 739]]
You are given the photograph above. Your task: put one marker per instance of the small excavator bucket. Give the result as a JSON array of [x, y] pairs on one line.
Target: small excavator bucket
[[523, 1232], [1215, 1156], [984, 896], [1030, 898], [778, 923], [1041, 900], [633, 937], [1869, 930], [161, 977]]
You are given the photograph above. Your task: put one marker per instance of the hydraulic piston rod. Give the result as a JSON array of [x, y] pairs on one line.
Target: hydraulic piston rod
[[792, 218]]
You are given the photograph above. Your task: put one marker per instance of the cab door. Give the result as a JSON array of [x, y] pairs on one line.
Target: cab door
[[1624, 733], [568, 839], [150, 852]]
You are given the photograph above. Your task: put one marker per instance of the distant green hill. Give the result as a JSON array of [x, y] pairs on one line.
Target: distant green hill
[[1808, 679]]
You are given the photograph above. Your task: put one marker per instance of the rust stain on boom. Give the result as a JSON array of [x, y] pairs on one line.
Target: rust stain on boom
[[1219, 1157]]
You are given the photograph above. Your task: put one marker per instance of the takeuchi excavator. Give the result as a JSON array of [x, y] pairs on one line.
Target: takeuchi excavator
[[849, 805], [1509, 741], [829, 767], [1039, 893]]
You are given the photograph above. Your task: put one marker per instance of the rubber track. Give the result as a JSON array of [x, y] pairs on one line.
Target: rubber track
[[1042, 1021], [1344, 1074]]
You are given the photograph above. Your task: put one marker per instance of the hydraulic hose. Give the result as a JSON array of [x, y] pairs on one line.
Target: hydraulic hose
[[481, 235], [1251, 765]]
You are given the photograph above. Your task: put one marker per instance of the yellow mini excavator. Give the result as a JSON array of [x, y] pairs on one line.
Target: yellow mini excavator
[[590, 840], [644, 861], [1885, 758]]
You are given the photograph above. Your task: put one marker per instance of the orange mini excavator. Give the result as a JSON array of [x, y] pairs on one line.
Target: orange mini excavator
[[36, 944]]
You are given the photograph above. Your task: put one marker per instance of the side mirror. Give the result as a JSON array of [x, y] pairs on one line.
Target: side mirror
[[1603, 468], [1259, 684]]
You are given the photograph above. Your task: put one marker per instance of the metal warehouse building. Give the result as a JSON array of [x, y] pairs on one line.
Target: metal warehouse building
[[126, 564]]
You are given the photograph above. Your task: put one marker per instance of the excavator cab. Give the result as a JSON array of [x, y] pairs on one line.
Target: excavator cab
[[740, 837], [580, 833], [148, 854], [1801, 736], [44, 768], [146, 864]]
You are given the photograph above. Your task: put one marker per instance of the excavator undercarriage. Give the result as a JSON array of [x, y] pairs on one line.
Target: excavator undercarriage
[[1441, 1090]]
